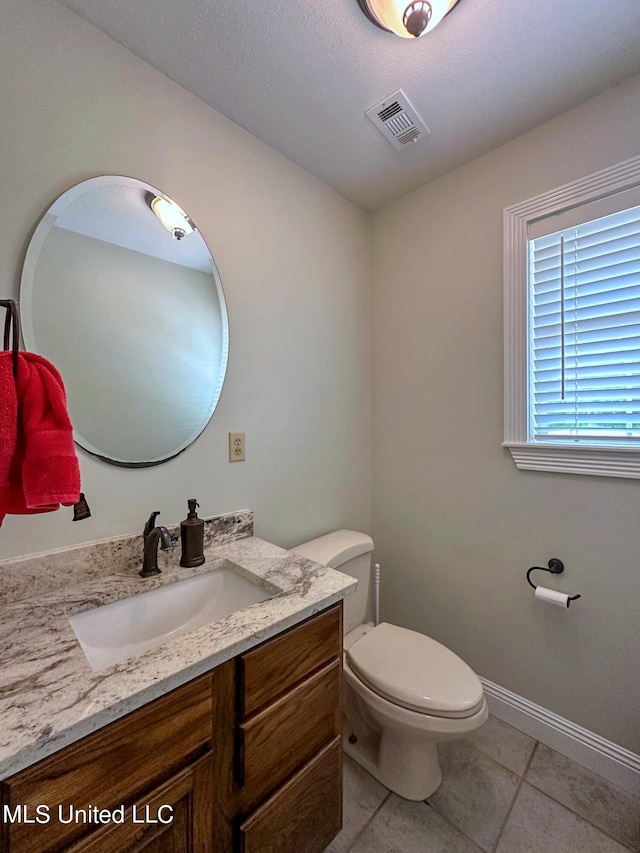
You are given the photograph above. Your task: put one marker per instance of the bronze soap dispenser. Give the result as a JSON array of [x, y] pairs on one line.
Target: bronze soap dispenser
[[192, 537]]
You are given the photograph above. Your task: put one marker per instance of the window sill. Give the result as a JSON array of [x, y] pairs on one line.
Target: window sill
[[562, 459]]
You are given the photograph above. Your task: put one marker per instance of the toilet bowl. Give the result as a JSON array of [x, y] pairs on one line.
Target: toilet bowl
[[404, 692]]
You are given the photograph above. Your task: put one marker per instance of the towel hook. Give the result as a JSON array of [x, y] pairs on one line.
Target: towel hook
[[12, 318], [555, 566]]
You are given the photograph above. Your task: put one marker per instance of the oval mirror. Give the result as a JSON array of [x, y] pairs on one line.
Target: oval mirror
[[132, 313]]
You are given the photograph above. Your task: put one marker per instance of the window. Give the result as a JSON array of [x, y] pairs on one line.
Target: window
[[572, 326]]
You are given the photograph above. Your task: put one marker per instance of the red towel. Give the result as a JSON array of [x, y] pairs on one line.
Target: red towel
[[8, 424], [44, 470]]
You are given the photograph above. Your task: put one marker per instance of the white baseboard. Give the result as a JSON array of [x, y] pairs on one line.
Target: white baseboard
[[614, 763]]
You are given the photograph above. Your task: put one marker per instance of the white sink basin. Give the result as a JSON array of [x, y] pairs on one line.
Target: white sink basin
[[124, 629]]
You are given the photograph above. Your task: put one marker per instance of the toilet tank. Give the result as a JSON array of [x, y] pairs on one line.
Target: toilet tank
[[350, 552]]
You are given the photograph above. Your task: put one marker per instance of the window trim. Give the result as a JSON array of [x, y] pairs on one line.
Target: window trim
[[598, 460]]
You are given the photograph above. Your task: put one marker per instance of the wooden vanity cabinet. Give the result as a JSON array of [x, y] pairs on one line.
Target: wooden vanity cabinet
[[245, 759]]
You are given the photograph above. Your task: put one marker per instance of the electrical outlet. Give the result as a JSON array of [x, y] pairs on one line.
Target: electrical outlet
[[236, 447]]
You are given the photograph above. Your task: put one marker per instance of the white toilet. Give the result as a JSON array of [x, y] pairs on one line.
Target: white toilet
[[404, 692]]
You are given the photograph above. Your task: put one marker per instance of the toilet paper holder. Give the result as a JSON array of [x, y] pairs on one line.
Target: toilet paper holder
[[556, 567]]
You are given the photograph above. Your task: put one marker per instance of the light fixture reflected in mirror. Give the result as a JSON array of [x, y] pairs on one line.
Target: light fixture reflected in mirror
[[408, 20], [174, 219]]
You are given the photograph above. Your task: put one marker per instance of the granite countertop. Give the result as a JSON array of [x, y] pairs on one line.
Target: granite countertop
[[50, 696]]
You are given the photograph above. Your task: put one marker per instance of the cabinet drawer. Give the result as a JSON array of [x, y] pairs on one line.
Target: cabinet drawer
[[112, 766], [271, 669], [304, 815], [278, 740]]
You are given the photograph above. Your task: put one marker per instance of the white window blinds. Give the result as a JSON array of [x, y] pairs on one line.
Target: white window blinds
[[584, 332]]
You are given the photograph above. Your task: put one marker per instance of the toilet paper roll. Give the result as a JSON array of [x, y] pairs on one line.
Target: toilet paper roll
[[552, 596]]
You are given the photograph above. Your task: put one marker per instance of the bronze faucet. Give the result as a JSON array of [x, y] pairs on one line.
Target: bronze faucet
[[152, 536]]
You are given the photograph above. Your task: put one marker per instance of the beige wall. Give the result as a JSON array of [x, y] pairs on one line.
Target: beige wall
[[455, 523], [292, 255]]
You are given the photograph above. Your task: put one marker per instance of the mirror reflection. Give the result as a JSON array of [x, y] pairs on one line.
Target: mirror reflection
[[131, 311]]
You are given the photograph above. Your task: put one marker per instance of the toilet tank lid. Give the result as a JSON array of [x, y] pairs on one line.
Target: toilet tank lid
[[335, 548]]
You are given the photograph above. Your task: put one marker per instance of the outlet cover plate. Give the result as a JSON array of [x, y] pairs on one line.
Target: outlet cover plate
[[236, 447]]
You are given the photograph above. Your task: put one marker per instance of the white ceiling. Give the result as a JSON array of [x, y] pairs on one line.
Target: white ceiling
[[300, 75]]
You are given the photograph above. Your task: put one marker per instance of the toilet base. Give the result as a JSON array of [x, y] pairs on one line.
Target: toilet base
[[408, 768]]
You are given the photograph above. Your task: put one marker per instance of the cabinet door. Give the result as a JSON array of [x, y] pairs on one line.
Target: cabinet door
[[111, 766], [175, 818]]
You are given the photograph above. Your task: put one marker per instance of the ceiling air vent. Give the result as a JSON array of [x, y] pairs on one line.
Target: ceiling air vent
[[396, 118]]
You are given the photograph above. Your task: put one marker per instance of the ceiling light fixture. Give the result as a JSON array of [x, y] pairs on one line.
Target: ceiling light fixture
[[172, 217], [409, 21]]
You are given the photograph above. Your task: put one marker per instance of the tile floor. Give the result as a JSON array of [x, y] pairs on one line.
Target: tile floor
[[502, 792]]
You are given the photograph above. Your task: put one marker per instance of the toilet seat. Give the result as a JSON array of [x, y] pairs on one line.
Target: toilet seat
[[415, 672]]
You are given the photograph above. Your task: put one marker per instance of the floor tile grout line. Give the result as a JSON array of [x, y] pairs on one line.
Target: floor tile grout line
[[515, 797], [580, 816], [448, 821], [493, 760], [573, 810], [487, 754], [372, 816]]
